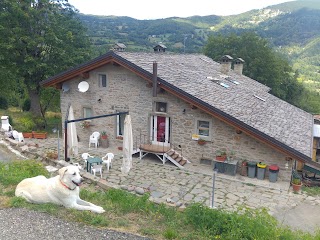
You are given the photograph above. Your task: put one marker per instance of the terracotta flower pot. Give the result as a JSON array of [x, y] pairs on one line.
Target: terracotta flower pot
[[296, 187]]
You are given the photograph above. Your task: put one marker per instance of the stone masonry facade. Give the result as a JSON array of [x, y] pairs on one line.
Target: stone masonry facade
[[125, 91]]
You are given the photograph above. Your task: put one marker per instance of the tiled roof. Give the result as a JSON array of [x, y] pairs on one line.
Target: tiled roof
[[121, 45], [248, 101]]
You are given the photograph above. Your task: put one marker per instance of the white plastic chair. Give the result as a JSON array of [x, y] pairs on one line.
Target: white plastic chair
[[17, 136], [96, 168], [85, 157], [5, 125], [107, 159], [78, 165], [94, 139]]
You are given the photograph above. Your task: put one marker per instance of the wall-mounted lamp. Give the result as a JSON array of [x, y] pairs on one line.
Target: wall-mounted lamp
[[99, 100], [184, 111], [238, 131]]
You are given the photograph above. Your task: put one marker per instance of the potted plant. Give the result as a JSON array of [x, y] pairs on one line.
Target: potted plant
[[296, 184], [85, 124], [221, 155], [104, 135], [104, 139], [231, 155], [201, 141]]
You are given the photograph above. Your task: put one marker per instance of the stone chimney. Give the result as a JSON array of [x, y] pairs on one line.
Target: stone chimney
[[238, 66], [225, 63]]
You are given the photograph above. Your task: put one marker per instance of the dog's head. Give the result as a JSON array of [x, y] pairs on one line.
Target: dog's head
[[70, 175]]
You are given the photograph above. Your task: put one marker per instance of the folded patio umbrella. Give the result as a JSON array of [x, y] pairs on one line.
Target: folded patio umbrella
[[72, 134], [127, 145]]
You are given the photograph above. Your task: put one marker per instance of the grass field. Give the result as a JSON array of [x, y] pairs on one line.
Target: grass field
[[136, 214]]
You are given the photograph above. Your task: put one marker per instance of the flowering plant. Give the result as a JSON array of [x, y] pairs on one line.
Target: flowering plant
[[85, 124]]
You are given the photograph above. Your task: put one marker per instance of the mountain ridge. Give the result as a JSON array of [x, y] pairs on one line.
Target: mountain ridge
[[292, 28]]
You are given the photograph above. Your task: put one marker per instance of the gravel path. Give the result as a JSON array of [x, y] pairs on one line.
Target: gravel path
[[21, 224]]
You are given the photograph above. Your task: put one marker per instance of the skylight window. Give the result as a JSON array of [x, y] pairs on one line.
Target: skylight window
[[231, 80], [224, 85], [234, 81], [259, 98], [218, 81]]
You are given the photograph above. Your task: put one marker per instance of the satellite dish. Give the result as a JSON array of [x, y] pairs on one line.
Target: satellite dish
[[65, 87], [83, 86]]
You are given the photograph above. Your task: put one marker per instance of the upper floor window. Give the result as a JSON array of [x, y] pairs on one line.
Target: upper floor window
[[161, 107], [102, 80]]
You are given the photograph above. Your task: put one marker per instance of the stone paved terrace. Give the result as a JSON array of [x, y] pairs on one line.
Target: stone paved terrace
[[179, 187]]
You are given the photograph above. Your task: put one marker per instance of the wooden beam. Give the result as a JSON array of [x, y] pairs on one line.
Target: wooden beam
[[85, 75]]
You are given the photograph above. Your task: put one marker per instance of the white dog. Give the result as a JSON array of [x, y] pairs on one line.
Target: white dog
[[62, 189]]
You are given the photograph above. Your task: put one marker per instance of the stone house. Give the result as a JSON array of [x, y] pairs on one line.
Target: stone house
[[174, 99]]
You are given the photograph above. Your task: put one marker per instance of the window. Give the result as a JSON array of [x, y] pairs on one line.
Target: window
[[87, 112], [102, 80], [161, 107], [203, 129], [120, 124]]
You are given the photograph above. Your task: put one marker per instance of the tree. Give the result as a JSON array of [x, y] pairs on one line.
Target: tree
[[261, 63], [40, 38]]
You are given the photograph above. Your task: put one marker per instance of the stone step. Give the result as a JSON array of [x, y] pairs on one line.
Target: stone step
[[171, 152], [183, 162]]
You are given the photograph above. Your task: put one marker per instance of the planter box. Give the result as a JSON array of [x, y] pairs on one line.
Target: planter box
[[40, 135], [229, 168], [221, 158], [27, 134]]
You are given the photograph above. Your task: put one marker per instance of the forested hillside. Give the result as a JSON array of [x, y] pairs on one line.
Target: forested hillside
[[292, 29]]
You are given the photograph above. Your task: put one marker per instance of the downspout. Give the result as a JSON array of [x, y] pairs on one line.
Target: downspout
[[66, 134], [154, 79]]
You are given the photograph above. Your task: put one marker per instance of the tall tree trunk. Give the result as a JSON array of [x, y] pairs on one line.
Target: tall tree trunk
[[35, 106]]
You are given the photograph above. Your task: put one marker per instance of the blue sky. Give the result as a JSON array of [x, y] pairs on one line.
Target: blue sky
[[146, 9]]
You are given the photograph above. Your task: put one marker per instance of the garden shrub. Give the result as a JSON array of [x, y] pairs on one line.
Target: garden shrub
[[26, 124]]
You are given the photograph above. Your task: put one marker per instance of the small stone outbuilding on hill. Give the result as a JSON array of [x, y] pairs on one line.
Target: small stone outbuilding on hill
[[175, 99]]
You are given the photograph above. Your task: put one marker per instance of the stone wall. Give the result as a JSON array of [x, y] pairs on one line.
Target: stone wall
[[126, 91]]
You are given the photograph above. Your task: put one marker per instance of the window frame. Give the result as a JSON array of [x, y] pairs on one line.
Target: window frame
[[100, 80], [157, 107], [209, 128], [84, 113]]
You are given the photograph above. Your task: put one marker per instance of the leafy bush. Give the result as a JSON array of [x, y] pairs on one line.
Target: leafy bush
[[3, 103], [26, 124]]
